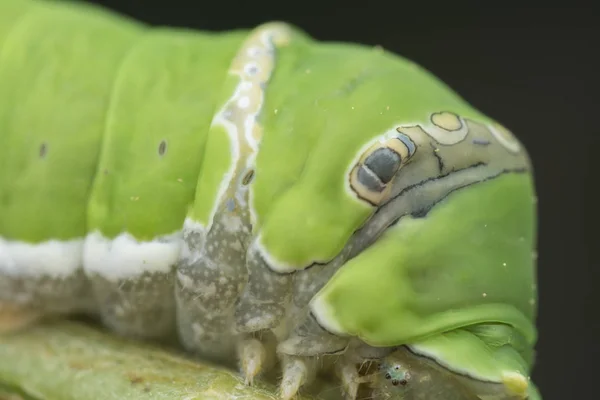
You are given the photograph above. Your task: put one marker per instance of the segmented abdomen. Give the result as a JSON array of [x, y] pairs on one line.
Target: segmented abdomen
[[128, 154], [103, 126]]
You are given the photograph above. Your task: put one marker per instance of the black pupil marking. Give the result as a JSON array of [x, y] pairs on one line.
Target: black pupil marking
[[387, 376], [162, 148], [369, 180], [248, 177], [403, 382], [384, 162], [395, 382], [43, 150]]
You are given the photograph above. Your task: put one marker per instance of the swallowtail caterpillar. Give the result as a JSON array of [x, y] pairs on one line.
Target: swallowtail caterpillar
[[270, 200]]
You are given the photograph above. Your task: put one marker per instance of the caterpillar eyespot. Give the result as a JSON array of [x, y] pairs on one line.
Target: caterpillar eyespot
[[267, 203]]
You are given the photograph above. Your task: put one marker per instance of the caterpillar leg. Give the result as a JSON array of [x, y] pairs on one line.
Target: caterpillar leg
[[297, 372]]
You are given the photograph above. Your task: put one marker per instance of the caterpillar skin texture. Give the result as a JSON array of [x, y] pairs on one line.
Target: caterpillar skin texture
[[269, 200]]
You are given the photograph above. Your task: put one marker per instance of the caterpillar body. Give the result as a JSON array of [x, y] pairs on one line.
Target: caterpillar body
[[267, 199]]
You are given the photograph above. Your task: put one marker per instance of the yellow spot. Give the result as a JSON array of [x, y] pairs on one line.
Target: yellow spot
[[308, 71], [484, 294], [504, 264], [179, 180], [516, 383], [275, 111], [352, 107], [387, 108], [447, 121], [135, 198]]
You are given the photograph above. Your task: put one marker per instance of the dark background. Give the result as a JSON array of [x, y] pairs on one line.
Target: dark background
[[530, 68]]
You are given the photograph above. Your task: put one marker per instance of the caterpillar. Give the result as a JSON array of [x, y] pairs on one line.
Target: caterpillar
[[267, 199]]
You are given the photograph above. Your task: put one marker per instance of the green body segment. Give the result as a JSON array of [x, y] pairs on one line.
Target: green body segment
[[325, 103], [48, 162], [162, 105], [123, 130]]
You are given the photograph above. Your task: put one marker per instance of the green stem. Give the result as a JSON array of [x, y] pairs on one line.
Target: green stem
[[72, 361]]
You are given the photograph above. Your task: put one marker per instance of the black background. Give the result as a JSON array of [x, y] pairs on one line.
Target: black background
[[530, 68]]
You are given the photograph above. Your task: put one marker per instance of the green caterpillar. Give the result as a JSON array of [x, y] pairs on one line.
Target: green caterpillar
[[258, 193]]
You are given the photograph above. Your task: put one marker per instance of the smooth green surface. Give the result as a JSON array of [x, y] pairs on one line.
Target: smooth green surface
[[55, 88], [467, 262], [70, 361]]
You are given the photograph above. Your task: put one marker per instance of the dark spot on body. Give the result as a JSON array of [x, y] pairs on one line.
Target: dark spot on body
[[369, 180], [162, 148], [248, 177], [384, 162], [43, 150]]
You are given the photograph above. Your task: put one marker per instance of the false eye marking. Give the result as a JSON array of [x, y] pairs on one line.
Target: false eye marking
[[445, 127], [382, 164], [43, 150], [373, 173], [447, 121]]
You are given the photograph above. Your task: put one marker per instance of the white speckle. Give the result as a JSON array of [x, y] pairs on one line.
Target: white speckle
[[243, 102], [484, 294], [254, 51], [185, 280], [275, 111], [55, 258], [504, 264], [125, 257], [198, 329]]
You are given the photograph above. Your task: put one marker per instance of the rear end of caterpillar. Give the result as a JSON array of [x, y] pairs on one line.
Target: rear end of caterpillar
[[267, 200]]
